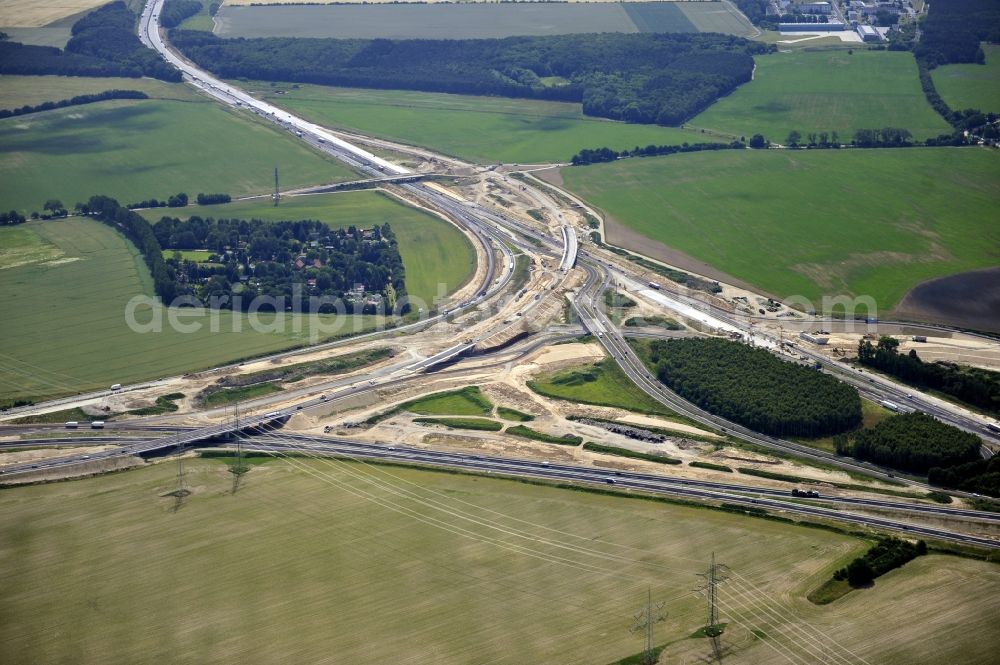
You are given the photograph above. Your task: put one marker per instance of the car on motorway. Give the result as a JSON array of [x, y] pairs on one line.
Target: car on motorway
[[610, 481]]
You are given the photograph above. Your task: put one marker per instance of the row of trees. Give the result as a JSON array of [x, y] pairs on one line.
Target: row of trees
[[175, 11], [913, 442], [756, 389], [103, 43], [213, 199], [977, 387], [178, 200], [643, 78], [74, 101], [11, 218], [597, 155], [139, 231]]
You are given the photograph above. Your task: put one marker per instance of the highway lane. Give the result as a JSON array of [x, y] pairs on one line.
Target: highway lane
[[876, 387], [272, 435], [622, 480], [587, 304], [366, 161], [319, 398], [483, 221]]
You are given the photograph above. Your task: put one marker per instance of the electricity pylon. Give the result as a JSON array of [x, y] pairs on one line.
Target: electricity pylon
[[644, 621]]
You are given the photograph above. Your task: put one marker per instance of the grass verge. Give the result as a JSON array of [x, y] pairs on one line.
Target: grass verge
[[625, 452], [463, 423], [528, 433]]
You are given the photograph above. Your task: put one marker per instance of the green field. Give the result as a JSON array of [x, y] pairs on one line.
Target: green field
[[826, 91], [480, 129], [465, 402], [64, 329], [200, 21], [475, 20], [196, 255], [437, 256], [32, 90], [702, 17], [294, 566], [135, 150], [423, 21], [971, 86], [602, 384], [812, 223], [44, 36], [480, 424]]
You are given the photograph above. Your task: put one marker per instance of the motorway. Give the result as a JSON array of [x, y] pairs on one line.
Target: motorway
[[271, 441], [497, 231]]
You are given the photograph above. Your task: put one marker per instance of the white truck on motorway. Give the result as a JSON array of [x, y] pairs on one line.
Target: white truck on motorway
[[654, 285], [890, 405]]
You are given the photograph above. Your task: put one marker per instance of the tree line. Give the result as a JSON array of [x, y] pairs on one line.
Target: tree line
[[11, 218], [887, 554], [598, 155], [977, 387], [103, 43], [135, 227], [754, 388], [74, 101], [213, 199], [178, 200], [642, 78]]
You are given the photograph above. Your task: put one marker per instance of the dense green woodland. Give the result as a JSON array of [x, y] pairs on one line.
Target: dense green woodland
[[953, 30], [175, 11], [981, 476], [645, 78], [104, 43], [913, 442], [977, 387], [754, 388], [951, 33], [361, 267]]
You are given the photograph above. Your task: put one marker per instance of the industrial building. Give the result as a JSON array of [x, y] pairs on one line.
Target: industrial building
[[816, 8], [868, 34]]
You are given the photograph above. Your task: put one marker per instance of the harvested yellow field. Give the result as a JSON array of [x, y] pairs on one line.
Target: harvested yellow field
[[34, 14]]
